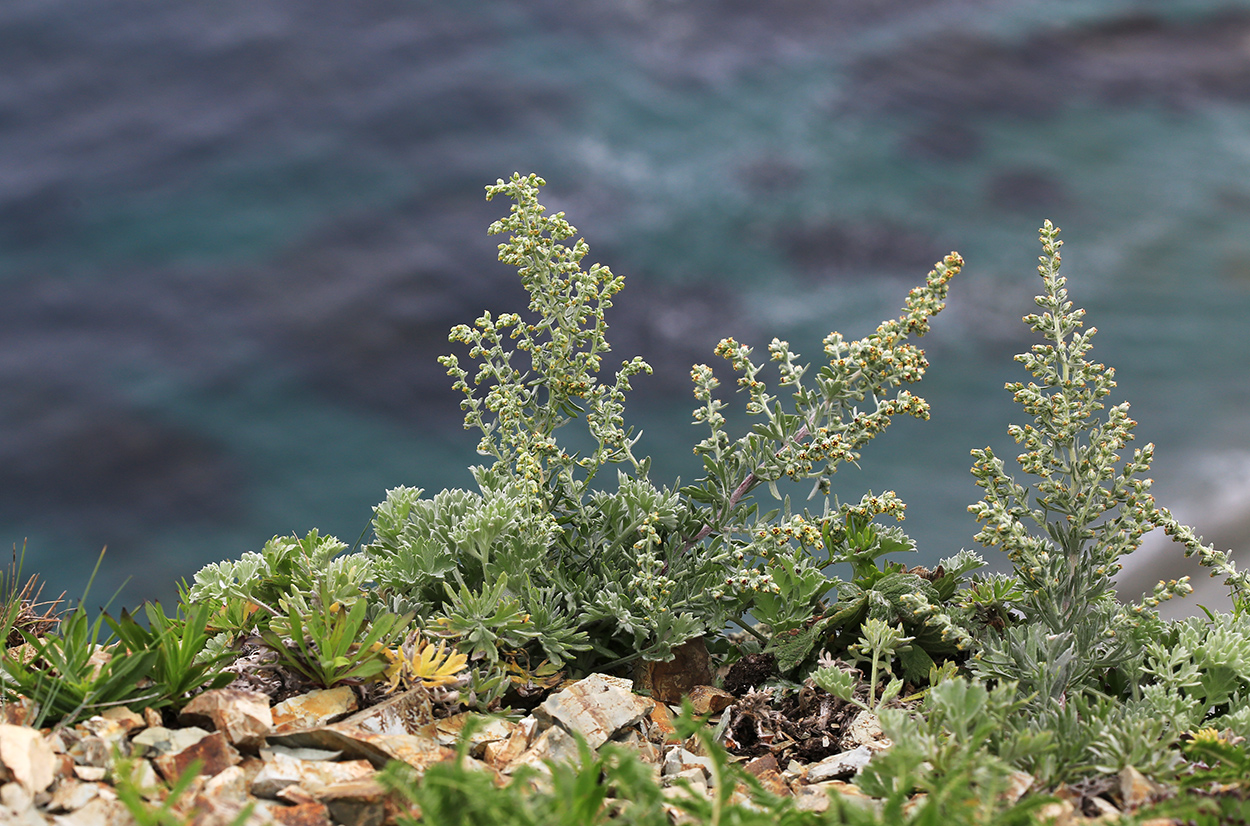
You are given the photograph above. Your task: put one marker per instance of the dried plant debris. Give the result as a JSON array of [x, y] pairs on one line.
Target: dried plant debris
[[32, 616]]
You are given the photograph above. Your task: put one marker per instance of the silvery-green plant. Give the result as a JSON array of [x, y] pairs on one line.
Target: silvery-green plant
[[1088, 506], [603, 575]]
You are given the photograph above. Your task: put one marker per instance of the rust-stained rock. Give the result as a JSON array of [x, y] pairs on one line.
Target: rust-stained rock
[[660, 728], [680, 759], [124, 717], [415, 750], [213, 751], [418, 752], [762, 764], [1135, 789], [242, 716], [281, 771], [316, 708], [16, 712], [669, 681], [486, 730], [499, 753], [27, 757], [709, 700], [597, 708], [152, 718], [311, 813], [648, 752]]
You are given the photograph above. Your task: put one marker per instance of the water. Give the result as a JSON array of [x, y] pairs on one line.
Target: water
[[232, 237]]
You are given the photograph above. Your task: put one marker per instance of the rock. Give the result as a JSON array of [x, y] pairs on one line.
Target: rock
[[499, 753], [487, 730], [553, 744], [230, 785], [1018, 783], [242, 716], [281, 771], [152, 717], [761, 764], [695, 777], [669, 681], [213, 751], [303, 814], [360, 803], [71, 795], [102, 811], [597, 708], [124, 717], [405, 713], [1135, 789], [417, 751], [815, 798], [679, 760], [1059, 813], [98, 739], [27, 757], [159, 740], [709, 700], [864, 728], [90, 773], [839, 766], [660, 727], [316, 708]]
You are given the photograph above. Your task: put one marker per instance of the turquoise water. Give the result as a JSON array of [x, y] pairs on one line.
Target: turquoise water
[[232, 239]]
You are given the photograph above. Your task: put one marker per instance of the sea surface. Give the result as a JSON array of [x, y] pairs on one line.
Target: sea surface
[[233, 236]]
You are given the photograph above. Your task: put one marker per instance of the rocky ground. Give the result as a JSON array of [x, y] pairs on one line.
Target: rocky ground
[[311, 759]]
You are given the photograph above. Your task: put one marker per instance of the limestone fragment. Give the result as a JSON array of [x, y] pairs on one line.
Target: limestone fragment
[[281, 771], [160, 740], [242, 716], [839, 766], [553, 744], [71, 795], [597, 708], [708, 700], [124, 717], [213, 751], [316, 708], [27, 757]]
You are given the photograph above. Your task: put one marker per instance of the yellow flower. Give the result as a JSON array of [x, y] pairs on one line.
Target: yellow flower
[[431, 666]]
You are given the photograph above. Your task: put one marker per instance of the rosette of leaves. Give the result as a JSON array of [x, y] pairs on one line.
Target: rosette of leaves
[[287, 567], [1087, 508], [808, 610]]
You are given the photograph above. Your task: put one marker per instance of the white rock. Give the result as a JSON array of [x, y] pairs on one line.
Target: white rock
[[28, 757], [597, 707], [839, 766]]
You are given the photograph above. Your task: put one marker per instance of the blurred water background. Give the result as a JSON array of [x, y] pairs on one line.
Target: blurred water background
[[233, 236]]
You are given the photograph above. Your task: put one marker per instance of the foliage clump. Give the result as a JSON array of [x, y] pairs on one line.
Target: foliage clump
[[553, 567]]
